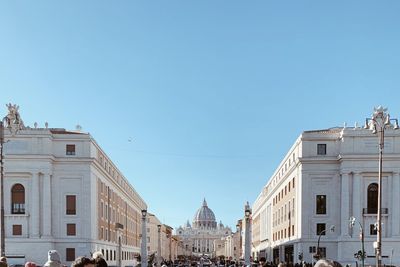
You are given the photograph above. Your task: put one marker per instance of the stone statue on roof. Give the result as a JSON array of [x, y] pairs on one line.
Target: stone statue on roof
[[13, 119]]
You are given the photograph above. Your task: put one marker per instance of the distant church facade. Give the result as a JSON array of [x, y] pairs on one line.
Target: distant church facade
[[199, 238]]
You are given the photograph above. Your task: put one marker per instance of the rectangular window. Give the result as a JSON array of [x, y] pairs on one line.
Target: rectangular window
[[71, 229], [321, 204], [17, 229], [70, 150], [321, 228], [372, 229], [70, 254], [321, 149], [292, 208], [71, 205]]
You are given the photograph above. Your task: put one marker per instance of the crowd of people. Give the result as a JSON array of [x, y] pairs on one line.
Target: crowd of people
[[54, 260]]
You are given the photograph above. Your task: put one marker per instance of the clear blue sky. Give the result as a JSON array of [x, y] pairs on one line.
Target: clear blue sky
[[212, 93]]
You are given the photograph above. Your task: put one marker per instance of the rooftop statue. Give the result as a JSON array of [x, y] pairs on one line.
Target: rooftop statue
[[13, 119]]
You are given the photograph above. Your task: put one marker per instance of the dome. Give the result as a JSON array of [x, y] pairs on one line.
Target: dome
[[204, 217]]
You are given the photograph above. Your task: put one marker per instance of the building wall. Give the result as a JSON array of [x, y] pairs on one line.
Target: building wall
[[199, 240], [152, 234], [36, 158], [342, 175]]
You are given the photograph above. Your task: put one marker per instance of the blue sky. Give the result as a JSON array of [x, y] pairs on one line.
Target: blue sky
[[212, 93]]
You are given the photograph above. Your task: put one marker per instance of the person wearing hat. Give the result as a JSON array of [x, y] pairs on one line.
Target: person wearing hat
[[53, 259]]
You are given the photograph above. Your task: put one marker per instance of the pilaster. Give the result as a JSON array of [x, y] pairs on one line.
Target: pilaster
[[46, 205], [395, 199], [34, 214], [357, 201], [345, 204]]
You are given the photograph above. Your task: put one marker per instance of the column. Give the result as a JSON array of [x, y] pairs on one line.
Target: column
[[46, 205], [357, 212], [345, 205], [34, 214], [395, 201]]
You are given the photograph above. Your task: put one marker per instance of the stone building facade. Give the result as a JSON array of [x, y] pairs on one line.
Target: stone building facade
[[325, 178], [199, 237], [63, 192]]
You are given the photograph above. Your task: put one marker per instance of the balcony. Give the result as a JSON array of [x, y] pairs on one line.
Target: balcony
[[384, 211]]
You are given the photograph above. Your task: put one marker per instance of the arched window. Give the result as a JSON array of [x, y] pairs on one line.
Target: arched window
[[18, 199], [372, 200]]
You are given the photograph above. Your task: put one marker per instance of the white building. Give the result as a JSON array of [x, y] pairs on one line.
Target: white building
[[200, 236], [232, 246], [62, 192], [324, 179], [165, 237]]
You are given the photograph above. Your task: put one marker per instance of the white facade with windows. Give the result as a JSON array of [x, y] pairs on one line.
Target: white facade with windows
[[325, 178], [53, 182], [199, 237]]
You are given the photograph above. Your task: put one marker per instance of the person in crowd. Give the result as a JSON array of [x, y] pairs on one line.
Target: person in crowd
[[262, 262], [327, 263], [53, 259], [3, 262], [83, 262], [30, 264], [99, 260]]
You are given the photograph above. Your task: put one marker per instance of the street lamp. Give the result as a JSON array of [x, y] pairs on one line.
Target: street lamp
[[247, 243], [361, 254], [318, 254], [143, 249], [379, 121], [169, 237], [240, 240], [159, 246], [14, 123]]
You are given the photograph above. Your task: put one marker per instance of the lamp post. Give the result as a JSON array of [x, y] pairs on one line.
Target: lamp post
[[159, 246], [247, 242], [362, 254], [143, 248], [14, 123], [317, 256], [240, 240], [379, 121], [2, 240]]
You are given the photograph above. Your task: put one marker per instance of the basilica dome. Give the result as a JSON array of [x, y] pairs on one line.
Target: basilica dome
[[204, 217]]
